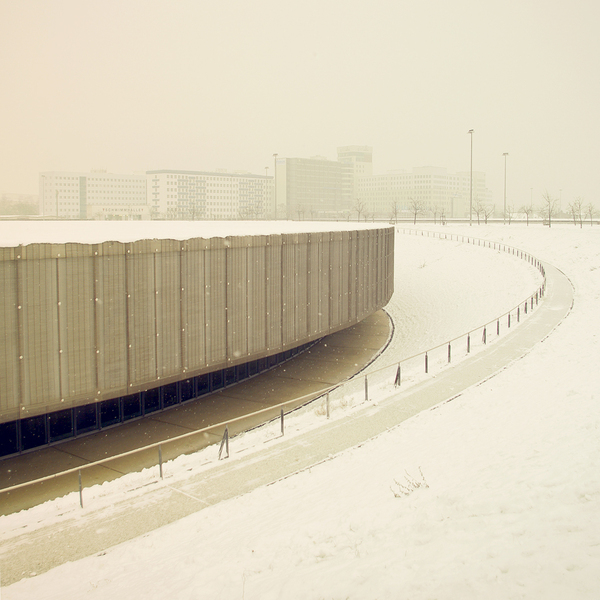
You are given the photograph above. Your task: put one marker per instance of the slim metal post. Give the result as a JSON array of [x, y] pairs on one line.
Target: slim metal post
[[80, 490], [471, 183], [160, 461]]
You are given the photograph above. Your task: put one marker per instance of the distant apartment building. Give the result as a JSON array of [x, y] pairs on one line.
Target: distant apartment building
[[95, 195], [436, 190], [191, 195]]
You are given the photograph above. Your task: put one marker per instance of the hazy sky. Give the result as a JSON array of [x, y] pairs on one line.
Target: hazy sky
[[138, 85]]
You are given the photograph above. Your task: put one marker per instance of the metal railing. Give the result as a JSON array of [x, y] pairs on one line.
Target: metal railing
[[357, 388]]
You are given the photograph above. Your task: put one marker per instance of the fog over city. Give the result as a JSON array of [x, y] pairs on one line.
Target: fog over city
[[134, 86]]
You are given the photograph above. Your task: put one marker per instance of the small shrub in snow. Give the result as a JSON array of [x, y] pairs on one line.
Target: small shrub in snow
[[409, 486]]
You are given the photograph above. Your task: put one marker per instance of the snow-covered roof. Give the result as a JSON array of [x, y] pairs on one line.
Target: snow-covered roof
[[16, 233]]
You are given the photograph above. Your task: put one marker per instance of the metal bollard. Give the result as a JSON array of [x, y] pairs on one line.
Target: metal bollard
[[449, 353], [160, 461], [327, 404], [224, 443], [426, 363], [282, 432], [398, 379], [366, 389], [80, 491], [484, 335]]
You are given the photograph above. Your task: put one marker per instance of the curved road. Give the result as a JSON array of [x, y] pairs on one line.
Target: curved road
[[165, 502]]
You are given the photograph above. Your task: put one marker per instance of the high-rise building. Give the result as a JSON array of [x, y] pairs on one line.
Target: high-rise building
[[95, 195], [357, 162], [310, 188], [191, 195]]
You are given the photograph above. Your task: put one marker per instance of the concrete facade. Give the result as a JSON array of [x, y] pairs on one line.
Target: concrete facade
[[196, 195], [97, 195], [88, 322]]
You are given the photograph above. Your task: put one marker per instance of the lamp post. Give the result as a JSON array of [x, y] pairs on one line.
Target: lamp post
[[505, 155], [470, 132], [275, 182]]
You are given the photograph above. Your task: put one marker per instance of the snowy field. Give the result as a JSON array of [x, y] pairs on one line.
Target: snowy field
[[493, 495]]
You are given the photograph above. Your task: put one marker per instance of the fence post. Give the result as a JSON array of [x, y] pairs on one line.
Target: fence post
[[498, 327], [531, 302], [327, 404], [398, 379], [518, 314], [366, 389], [224, 442], [160, 461], [509, 320], [449, 352], [526, 306], [426, 363], [80, 491], [484, 335], [468, 343], [282, 432]]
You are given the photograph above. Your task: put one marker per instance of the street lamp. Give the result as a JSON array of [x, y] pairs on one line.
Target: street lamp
[[505, 155], [275, 182], [470, 132]]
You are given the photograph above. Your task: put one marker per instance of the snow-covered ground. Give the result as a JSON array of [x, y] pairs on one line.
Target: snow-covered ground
[[509, 505]]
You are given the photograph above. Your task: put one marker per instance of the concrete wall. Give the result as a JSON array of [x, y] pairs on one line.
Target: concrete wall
[[82, 323]]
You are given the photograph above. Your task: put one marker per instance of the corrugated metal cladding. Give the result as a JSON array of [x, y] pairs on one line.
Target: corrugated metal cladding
[[82, 323]]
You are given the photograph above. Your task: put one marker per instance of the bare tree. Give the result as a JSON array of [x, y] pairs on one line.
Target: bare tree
[[527, 211], [417, 208], [590, 211], [488, 211], [359, 207], [479, 209], [510, 213], [549, 207], [395, 211], [576, 210]]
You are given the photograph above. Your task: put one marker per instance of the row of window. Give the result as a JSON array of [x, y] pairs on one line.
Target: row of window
[[32, 432]]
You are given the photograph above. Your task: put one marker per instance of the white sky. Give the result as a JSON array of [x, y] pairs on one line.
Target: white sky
[[133, 86]]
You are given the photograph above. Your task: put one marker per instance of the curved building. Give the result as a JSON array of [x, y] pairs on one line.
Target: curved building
[[97, 333]]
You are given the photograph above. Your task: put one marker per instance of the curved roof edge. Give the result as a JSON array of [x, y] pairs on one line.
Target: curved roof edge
[[22, 233]]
